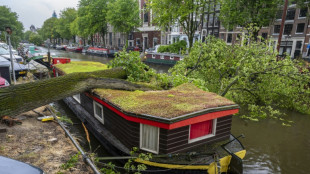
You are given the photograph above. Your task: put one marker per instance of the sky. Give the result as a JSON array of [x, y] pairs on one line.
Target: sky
[[35, 12]]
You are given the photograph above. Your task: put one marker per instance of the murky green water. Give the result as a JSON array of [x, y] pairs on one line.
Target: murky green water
[[271, 147]]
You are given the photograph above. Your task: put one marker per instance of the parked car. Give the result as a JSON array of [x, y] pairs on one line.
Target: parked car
[[11, 166], [20, 69], [6, 54], [3, 82], [5, 46]]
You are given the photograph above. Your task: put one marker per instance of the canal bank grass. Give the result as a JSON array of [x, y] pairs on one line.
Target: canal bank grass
[[81, 66], [42, 144], [183, 99]]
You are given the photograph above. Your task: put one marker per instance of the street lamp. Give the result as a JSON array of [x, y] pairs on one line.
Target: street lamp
[[9, 32]]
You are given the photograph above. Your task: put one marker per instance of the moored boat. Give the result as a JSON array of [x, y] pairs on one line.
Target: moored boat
[[186, 129], [163, 58]]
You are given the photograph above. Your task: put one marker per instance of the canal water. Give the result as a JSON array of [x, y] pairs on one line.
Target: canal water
[[271, 147]]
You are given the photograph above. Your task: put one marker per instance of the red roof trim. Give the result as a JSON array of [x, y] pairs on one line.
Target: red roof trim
[[193, 120]]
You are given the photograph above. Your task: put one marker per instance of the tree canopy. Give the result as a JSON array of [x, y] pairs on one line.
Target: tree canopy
[[249, 13], [183, 13], [49, 29], [66, 17], [10, 19], [123, 15], [250, 75]]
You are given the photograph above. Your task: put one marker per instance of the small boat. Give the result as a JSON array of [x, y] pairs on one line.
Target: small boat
[[74, 49], [61, 47], [185, 128], [101, 52], [163, 58]]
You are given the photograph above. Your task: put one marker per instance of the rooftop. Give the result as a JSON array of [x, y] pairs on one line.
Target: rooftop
[[81, 66], [178, 101]]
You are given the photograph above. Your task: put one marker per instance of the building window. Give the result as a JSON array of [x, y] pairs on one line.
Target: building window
[[303, 12], [138, 42], [300, 28], [77, 97], [288, 29], [149, 138], [155, 41], [279, 14], [145, 15], [229, 38], [98, 111], [264, 35], [202, 130], [290, 15], [276, 29]]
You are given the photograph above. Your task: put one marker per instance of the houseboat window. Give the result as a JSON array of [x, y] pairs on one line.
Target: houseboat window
[[202, 130], [149, 138], [77, 97], [98, 112]]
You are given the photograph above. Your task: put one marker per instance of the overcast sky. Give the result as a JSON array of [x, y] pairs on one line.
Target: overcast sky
[[37, 11]]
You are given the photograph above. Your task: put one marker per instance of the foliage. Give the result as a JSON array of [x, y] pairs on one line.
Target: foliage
[[109, 168], [183, 13], [249, 75], [71, 162], [49, 29], [177, 47], [35, 39], [137, 71], [92, 17], [258, 13], [66, 17], [10, 19], [123, 15], [27, 35], [130, 166]]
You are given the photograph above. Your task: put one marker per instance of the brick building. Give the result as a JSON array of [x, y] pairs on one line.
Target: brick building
[[148, 35]]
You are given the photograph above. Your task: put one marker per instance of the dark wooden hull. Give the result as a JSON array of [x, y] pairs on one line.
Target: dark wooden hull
[[118, 135]]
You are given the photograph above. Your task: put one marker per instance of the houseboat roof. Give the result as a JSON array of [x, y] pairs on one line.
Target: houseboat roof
[[81, 66], [178, 101]]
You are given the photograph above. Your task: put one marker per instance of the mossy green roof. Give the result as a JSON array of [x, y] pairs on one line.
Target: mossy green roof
[[181, 100], [81, 66]]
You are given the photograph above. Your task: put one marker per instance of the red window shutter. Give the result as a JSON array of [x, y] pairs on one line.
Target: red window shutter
[[201, 129]]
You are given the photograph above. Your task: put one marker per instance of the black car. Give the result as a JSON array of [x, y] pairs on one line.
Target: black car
[[11, 166], [20, 69]]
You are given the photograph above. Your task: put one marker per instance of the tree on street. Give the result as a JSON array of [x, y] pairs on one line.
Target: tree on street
[[123, 15]]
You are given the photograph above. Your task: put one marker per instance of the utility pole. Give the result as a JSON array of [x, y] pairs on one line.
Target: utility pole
[[9, 32], [282, 24]]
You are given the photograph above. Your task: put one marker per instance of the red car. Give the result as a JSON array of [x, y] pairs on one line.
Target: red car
[[3, 82]]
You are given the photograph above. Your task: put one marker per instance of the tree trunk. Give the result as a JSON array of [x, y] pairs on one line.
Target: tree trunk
[[24, 97]]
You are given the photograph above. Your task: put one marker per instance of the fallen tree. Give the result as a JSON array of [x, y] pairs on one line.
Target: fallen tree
[[24, 97]]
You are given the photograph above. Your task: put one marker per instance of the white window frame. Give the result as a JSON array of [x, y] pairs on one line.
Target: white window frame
[[153, 56], [162, 57], [77, 97], [203, 137], [171, 57], [101, 119], [149, 150]]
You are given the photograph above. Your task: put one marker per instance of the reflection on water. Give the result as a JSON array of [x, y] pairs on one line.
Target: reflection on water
[[271, 147]]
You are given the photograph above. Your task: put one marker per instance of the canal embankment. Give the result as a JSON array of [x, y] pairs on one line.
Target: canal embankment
[[42, 144]]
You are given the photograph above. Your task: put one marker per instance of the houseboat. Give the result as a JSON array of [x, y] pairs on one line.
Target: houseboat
[[163, 58], [101, 51], [74, 49], [185, 128]]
